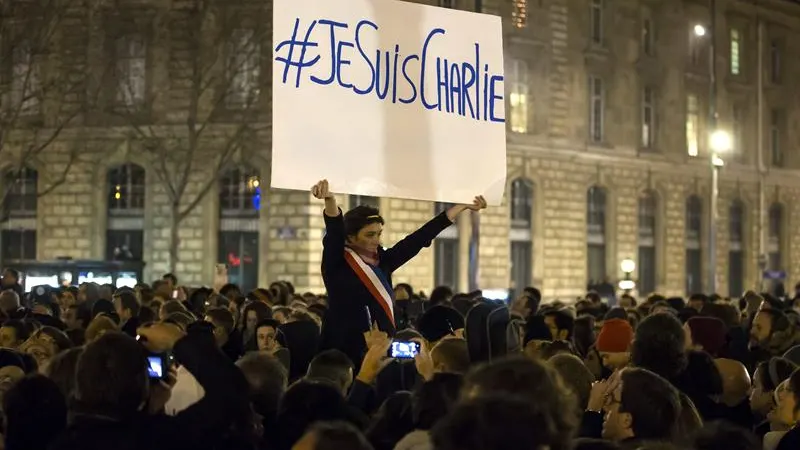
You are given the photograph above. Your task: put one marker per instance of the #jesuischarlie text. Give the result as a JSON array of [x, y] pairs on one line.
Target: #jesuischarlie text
[[462, 88]]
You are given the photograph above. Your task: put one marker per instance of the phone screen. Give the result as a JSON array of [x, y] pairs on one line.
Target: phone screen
[[155, 367], [404, 349]]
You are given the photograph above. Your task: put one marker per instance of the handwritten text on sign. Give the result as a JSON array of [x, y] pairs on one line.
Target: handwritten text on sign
[[388, 98]]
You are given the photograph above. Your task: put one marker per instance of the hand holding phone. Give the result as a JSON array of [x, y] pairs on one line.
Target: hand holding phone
[[404, 349], [158, 366]]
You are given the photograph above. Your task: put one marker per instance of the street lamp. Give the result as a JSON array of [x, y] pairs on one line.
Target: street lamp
[[699, 30], [627, 266], [719, 141]]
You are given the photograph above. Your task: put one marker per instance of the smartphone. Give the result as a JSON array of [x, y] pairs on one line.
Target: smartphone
[[175, 293], [158, 366], [404, 349]]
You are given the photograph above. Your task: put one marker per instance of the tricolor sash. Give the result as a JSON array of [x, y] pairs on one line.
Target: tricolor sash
[[371, 280]]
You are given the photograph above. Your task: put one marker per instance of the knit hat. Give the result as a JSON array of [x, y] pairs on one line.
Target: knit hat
[[615, 336], [709, 332]]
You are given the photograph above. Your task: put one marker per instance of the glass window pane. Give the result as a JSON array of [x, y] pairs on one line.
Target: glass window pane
[[446, 262], [239, 251]]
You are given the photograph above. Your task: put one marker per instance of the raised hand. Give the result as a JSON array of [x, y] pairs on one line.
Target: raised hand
[[322, 190], [478, 204]]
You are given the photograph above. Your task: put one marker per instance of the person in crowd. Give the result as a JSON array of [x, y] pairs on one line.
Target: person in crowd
[[268, 379], [333, 436], [576, 376], [723, 435], [115, 400], [787, 411], [35, 413], [766, 379], [614, 343], [707, 334], [391, 422], [357, 270], [127, 308], [10, 303], [772, 334], [639, 406], [13, 333], [253, 314], [267, 335], [561, 324], [334, 367], [62, 371], [224, 327]]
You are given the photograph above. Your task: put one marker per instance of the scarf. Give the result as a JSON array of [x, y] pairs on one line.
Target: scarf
[[368, 257]]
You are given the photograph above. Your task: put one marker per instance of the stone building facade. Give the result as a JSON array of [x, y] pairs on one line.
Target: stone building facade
[[608, 116]]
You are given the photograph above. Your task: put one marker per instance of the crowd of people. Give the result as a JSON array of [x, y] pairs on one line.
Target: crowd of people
[[165, 366]]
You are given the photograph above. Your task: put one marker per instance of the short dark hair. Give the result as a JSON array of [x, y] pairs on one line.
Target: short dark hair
[[434, 399], [62, 370], [128, 301], [725, 435], [659, 345], [653, 403], [359, 217], [563, 320], [171, 277], [331, 365], [267, 378], [222, 318], [20, 328], [338, 435], [35, 411], [531, 380], [499, 422], [111, 377]]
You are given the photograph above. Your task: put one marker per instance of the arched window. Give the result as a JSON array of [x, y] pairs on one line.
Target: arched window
[[238, 244], [775, 245], [736, 248], [446, 253], [596, 234], [694, 252], [20, 207], [520, 234], [126, 201], [364, 200], [648, 207]]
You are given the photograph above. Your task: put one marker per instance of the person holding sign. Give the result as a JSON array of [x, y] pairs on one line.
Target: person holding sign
[[357, 270]]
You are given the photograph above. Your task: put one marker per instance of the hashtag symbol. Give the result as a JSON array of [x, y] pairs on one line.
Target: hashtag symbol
[[291, 59]]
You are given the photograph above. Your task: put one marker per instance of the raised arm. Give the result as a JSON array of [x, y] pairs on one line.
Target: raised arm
[[402, 252], [333, 241]]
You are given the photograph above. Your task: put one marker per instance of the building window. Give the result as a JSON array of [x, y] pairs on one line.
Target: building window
[[775, 66], [365, 200], [648, 117], [596, 109], [244, 68], [648, 204], [692, 125], [648, 37], [695, 47], [131, 53], [597, 22], [21, 199], [238, 243], [518, 98], [736, 249], [25, 81], [736, 43], [446, 253], [739, 121], [519, 13], [775, 134], [447, 3], [19, 219], [521, 211], [240, 192], [775, 242], [694, 261], [126, 202], [596, 234]]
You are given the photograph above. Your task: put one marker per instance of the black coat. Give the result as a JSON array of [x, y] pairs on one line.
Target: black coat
[[201, 426], [348, 298]]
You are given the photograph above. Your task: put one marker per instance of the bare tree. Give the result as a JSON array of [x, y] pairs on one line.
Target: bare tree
[[38, 101], [212, 100]]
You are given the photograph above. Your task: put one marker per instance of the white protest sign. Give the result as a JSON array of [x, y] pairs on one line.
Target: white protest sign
[[389, 99]]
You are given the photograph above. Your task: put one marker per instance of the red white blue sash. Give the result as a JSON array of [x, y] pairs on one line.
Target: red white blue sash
[[370, 279]]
